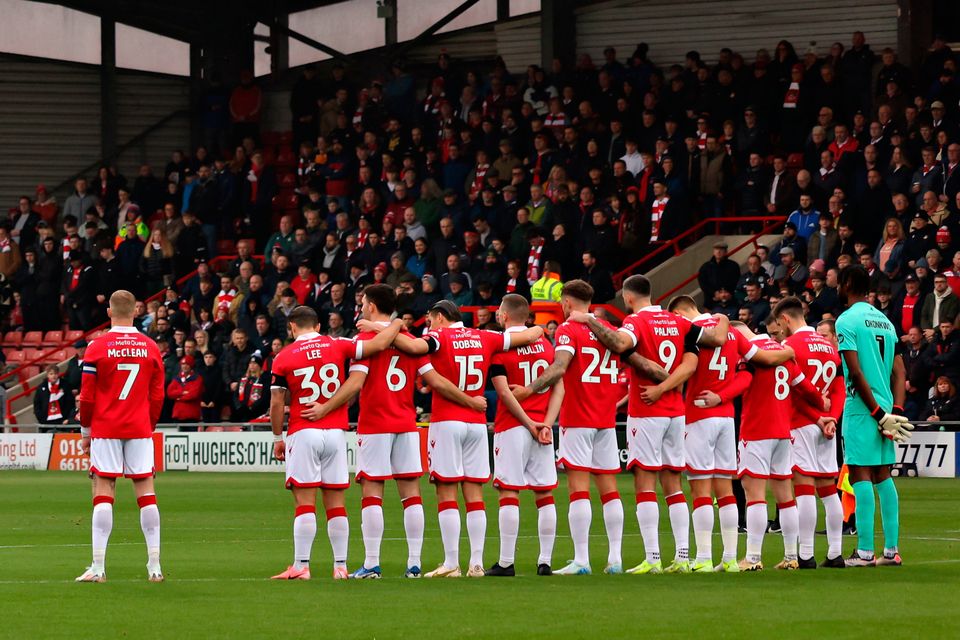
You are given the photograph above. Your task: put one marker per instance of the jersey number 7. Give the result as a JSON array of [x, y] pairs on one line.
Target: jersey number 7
[[134, 371]]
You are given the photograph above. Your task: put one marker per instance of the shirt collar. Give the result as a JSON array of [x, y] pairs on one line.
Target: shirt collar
[[513, 329], [652, 307], [804, 330], [123, 330], [456, 325], [310, 335], [702, 316], [762, 336]]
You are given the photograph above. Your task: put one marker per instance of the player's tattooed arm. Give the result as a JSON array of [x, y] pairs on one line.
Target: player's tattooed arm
[[647, 367], [686, 368], [452, 392], [315, 411], [552, 374], [612, 339]]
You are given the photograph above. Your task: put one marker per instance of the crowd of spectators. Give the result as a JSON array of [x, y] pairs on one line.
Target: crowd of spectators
[[465, 184]]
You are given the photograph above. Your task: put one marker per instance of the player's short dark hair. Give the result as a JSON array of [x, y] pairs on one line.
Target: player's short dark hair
[[578, 290], [552, 265], [383, 296], [682, 302], [516, 307], [855, 280], [638, 285], [448, 309], [303, 317], [789, 306]]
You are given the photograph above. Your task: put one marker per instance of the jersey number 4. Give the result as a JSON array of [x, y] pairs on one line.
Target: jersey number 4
[[329, 375]]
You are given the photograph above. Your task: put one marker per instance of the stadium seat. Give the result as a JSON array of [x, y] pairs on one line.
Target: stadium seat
[[288, 181], [226, 247], [13, 339], [72, 336], [29, 372], [31, 354], [15, 357], [32, 338], [52, 339], [290, 202], [55, 357], [795, 161]]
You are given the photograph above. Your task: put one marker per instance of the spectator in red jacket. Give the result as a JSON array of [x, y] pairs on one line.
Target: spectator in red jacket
[[186, 392]]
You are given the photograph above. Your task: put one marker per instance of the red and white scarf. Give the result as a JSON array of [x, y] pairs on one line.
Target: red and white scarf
[[657, 210], [54, 412], [533, 261], [792, 97], [255, 390]]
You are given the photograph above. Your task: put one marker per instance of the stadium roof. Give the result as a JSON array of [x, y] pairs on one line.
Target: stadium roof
[[187, 20]]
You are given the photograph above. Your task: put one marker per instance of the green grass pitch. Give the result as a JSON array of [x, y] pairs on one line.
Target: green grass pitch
[[224, 534]]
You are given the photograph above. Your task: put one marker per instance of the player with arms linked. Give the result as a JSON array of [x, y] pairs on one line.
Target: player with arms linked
[[311, 370], [458, 453], [121, 395], [388, 443], [588, 440], [873, 419]]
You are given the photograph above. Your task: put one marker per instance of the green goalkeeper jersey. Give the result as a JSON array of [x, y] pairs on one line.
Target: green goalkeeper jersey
[[864, 329]]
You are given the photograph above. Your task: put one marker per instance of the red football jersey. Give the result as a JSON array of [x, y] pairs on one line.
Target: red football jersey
[[661, 337], [590, 382], [820, 363], [312, 369], [767, 409], [522, 366], [716, 371], [463, 356], [121, 392], [386, 399]]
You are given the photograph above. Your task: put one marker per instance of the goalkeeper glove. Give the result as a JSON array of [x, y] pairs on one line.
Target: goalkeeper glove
[[894, 427]]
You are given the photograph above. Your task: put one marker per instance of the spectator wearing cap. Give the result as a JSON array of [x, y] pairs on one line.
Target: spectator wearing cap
[[791, 271], [944, 241], [790, 240], [910, 303], [53, 403], [824, 243], [889, 252], [718, 271], [186, 392], [724, 303], [458, 292], [942, 305], [74, 372], [250, 395], [428, 296], [45, 204], [77, 293]]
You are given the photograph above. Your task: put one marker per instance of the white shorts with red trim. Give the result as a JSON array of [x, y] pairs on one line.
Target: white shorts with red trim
[[520, 462], [766, 459], [112, 457], [388, 456], [655, 443], [458, 452], [813, 454], [317, 458], [710, 447], [586, 449]]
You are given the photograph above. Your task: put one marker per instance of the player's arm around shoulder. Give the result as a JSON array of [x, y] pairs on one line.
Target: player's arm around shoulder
[[381, 341], [452, 392], [715, 336], [516, 339], [562, 356], [617, 340]]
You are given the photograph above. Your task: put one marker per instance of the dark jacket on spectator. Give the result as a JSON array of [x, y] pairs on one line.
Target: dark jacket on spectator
[[714, 274], [234, 362]]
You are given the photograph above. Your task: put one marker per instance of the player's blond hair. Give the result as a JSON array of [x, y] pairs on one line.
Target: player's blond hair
[[123, 305]]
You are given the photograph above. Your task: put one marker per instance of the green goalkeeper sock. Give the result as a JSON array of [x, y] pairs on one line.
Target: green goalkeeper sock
[[889, 512], [866, 514]]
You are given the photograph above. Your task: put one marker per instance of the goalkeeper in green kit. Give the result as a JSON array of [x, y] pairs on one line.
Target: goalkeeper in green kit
[[872, 416]]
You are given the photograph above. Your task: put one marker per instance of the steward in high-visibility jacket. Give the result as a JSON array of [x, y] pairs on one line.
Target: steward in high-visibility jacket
[[547, 289]]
